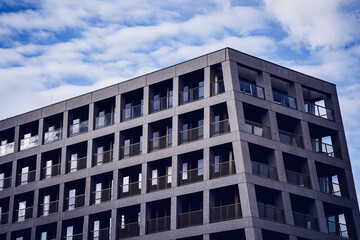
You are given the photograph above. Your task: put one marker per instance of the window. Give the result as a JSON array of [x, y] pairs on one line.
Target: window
[[217, 163], [2, 177], [122, 222], [200, 167], [99, 158], [44, 236], [98, 188], [46, 205], [76, 126], [72, 194], [73, 162], [21, 213], [48, 169], [126, 184], [101, 118], [69, 232], [184, 171], [24, 175], [140, 179], [169, 174], [96, 230], [154, 177]]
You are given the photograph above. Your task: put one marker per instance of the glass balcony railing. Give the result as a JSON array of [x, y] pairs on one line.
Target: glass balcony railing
[[78, 236], [271, 213], [101, 234], [191, 176], [333, 188], [225, 212], [251, 89], [189, 219], [129, 230], [51, 171], [192, 95], [4, 218], [104, 121], [102, 158], [298, 179], [78, 128], [220, 127], [49, 208], [130, 189], [76, 164], [319, 111], [291, 139], [284, 100], [190, 135], [217, 87], [53, 136], [263, 170], [160, 142], [341, 229], [132, 112], [102, 195], [257, 129], [160, 104], [29, 142], [222, 169], [325, 148], [305, 221], [131, 150], [7, 149], [24, 178], [5, 183], [160, 224], [23, 214], [159, 183], [74, 202]]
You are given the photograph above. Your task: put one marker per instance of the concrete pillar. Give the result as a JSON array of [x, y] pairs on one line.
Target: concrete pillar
[[288, 213], [306, 135], [273, 126], [85, 230], [41, 131], [206, 126], [115, 184], [91, 117], [230, 74], [313, 175], [299, 97], [145, 138], [63, 161], [89, 153], [267, 86], [321, 216], [142, 219], [207, 82], [117, 108], [173, 210], [61, 197], [280, 166], [59, 230], [174, 168], [116, 150], [176, 91], [146, 101], [206, 162], [144, 177], [206, 209], [38, 168], [17, 139], [248, 200], [253, 233], [113, 222], [88, 189], [175, 130], [65, 125]]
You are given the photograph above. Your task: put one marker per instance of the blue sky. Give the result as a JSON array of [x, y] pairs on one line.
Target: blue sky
[[51, 50]]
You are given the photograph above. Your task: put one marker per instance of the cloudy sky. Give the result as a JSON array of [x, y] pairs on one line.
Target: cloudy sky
[[51, 50]]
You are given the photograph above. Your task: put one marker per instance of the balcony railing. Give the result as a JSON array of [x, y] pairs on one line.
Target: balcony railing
[[4, 218], [51, 171], [161, 104], [192, 95], [102, 195], [129, 230], [222, 169], [74, 202], [291, 139], [306, 221], [76, 164], [53, 136], [192, 134], [251, 89], [29, 142], [299, 179], [101, 234], [341, 229], [264, 170], [319, 111], [189, 219], [49, 208], [159, 183], [78, 128], [78, 236], [333, 188], [132, 112], [130, 189], [5, 183], [7, 149], [104, 121], [191, 176], [131, 150], [23, 214], [257, 129], [225, 212], [160, 142], [220, 127], [217, 87], [284, 99], [104, 157], [24, 178], [158, 224], [271, 213], [325, 148]]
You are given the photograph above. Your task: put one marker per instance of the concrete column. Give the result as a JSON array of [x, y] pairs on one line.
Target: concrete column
[[38, 167], [280, 166], [207, 82], [231, 77], [206, 207], [206, 158], [61, 197], [253, 233], [206, 122], [274, 129], [299, 97], [313, 175], [242, 157], [117, 108], [113, 223], [11, 209], [91, 117], [306, 135], [239, 115], [59, 230], [291, 237], [146, 101], [36, 203], [89, 153], [206, 237], [174, 175], [175, 130], [14, 174], [17, 139], [233, 121], [321, 216], [267, 86], [287, 208], [41, 131], [33, 233], [144, 177], [356, 217], [248, 200], [86, 227], [173, 217], [65, 124], [142, 218], [63, 161], [115, 184], [87, 190], [116, 150], [145, 138], [176, 91]]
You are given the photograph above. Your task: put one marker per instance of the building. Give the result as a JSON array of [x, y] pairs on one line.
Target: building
[[224, 146]]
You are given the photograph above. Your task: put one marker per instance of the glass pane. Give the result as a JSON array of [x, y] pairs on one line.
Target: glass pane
[[126, 184]]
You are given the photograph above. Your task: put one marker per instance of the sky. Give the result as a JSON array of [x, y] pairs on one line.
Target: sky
[[51, 50]]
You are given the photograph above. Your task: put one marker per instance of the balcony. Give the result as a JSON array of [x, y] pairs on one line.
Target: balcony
[[225, 212], [220, 127], [161, 104], [51, 171], [49, 208], [333, 188], [298, 179], [129, 230], [78, 128], [54, 135], [5, 183], [217, 87], [74, 202], [100, 234], [291, 139], [24, 178], [306, 221], [130, 189], [263, 170], [191, 176], [189, 219], [251, 89], [192, 134], [104, 157], [257, 129], [159, 183], [271, 213], [160, 224], [102, 195], [29, 142], [131, 150], [319, 111], [76, 164], [105, 120], [7, 149], [132, 112], [324, 148], [4, 218], [23, 214], [160, 142], [222, 169], [341, 229], [192, 94], [284, 100]]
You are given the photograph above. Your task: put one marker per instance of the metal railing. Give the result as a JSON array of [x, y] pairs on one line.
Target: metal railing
[[160, 142], [189, 219], [49, 208], [132, 112], [333, 188], [5, 183], [23, 214], [76, 164], [78, 236], [225, 212], [291, 139], [191, 95], [341, 229], [217, 87], [325, 148], [159, 183], [100, 234], [74, 202], [51, 171], [220, 127], [29, 142], [251, 89], [161, 104], [257, 129], [101, 158], [305, 221], [104, 121], [101, 196], [53, 136], [24, 178], [283, 99], [298, 179], [129, 230], [192, 134], [319, 111], [78, 128], [158, 224], [130, 189], [4, 218], [7, 149], [271, 213], [131, 150], [263, 170], [222, 169], [191, 176]]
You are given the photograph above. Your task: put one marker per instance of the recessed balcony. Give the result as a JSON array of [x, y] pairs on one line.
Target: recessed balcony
[[78, 127], [319, 111], [220, 127], [291, 139], [225, 212], [222, 169], [257, 129], [306, 221], [271, 213], [325, 148], [298, 179], [284, 100], [264, 170], [189, 219], [332, 188], [6, 148], [251, 89]]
